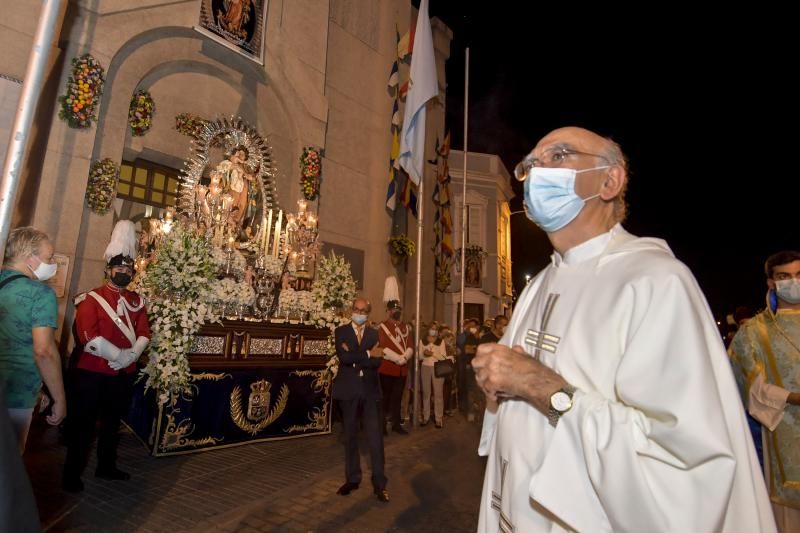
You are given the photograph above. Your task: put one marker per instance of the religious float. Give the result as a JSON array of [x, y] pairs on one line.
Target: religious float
[[241, 307]]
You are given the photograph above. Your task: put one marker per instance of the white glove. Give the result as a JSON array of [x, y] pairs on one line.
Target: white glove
[[102, 347], [409, 353], [126, 357], [130, 355], [393, 356]]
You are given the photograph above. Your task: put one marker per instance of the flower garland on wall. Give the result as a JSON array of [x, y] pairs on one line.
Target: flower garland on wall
[[177, 285], [401, 246], [140, 113], [84, 88], [310, 169], [190, 124], [102, 187]]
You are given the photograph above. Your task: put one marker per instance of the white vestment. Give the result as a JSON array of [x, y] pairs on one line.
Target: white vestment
[[656, 439]]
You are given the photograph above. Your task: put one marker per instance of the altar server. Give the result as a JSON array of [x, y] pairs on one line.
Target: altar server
[[111, 324], [611, 405], [397, 341]]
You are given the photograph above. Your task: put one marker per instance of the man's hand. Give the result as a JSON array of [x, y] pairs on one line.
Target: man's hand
[[57, 413], [501, 371], [345, 347], [376, 352]]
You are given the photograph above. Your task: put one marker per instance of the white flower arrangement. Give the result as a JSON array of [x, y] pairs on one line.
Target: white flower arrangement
[[177, 286], [333, 289], [273, 265], [228, 291], [334, 286], [220, 258]]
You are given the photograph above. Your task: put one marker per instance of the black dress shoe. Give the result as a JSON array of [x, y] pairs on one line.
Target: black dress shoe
[[382, 495], [72, 484], [399, 429], [113, 474], [424, 423], [345, 489], [439, 425]]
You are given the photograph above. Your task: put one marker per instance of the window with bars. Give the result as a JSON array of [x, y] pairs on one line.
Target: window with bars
[[148, 183]]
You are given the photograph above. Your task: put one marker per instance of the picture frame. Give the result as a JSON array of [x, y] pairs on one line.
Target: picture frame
[[239, 25]]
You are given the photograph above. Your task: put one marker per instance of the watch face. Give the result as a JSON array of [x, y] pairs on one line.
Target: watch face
[[561, 401]]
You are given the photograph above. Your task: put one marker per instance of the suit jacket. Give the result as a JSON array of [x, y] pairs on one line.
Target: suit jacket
[[358, 373]]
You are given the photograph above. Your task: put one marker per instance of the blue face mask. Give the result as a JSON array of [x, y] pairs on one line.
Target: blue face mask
[[359, 318], [550, 198]]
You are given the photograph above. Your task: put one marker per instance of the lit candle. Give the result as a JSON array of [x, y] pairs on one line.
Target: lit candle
[[230, 243], [312, 221], [268, 228], [301, 204], [277, 237]]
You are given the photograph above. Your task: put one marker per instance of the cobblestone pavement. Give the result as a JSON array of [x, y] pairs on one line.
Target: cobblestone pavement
[[434, 481]]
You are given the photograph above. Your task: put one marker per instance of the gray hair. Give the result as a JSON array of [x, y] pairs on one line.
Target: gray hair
[[23, 242], [613, 153]]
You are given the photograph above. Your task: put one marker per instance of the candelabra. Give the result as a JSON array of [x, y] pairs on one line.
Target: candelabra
[[302, 245]]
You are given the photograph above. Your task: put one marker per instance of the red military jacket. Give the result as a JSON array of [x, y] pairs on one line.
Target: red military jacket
[[401, 332], [91, 321]]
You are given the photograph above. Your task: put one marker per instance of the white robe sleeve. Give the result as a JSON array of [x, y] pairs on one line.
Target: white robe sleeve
[[487, 433], [767, 402], [659, 456]]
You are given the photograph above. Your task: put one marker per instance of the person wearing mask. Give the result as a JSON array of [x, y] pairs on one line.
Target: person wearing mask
[[396, 341], [432, 349], [357, 388], [111, 323], [28, 319], [467, 343], [611, 405], [766, 355], [499, 325]]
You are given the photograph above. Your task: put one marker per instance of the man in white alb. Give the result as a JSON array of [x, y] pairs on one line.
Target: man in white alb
[[611, 405]]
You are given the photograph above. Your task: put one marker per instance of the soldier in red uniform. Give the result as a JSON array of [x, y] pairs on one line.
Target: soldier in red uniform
[[111, 324], [394, 336]]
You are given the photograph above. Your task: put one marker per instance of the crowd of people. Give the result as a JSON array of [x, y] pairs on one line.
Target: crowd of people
[[608, 401]]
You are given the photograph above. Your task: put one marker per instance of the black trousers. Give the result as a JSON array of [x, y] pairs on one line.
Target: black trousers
[[371, 417], [94, 395], [392, 387], [466, 381]]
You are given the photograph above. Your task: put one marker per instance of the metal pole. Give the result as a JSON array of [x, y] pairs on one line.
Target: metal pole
[[418, 325], [28, 101], [464, 184]]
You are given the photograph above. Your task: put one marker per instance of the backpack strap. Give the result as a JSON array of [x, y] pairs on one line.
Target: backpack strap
[[11, 278]]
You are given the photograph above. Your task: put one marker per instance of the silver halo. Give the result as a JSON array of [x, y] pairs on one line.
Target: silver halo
[[229, 134]]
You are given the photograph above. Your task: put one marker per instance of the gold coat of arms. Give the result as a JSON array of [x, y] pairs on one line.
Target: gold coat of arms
[[259, 415]]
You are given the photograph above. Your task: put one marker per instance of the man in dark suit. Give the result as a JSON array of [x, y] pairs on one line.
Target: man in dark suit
[[357, 387]]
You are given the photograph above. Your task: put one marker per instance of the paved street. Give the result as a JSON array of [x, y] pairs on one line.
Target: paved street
[[434, 482]]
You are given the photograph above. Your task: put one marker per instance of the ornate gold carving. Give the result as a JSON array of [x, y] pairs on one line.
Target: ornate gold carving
[[208, 344], [315, 346], [257, 407], [208, 376], [265, 347], [176, 435], [318, 416]]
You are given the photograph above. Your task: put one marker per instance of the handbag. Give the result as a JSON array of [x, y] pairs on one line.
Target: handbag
[[443, 368]]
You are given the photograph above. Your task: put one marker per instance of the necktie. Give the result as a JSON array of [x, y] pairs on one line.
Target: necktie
[[360, 333]]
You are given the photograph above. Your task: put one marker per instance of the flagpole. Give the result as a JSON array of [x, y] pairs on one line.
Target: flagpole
[[418, 325], [464, 184]]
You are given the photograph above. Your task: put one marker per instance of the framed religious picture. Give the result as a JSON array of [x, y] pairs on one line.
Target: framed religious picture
[[236, 24], [59, 281], [472, 276]]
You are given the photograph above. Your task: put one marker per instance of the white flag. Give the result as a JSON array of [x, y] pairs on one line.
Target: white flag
[[424, 86]]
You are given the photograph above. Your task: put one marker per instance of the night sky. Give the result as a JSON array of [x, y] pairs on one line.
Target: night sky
[[698, 106]]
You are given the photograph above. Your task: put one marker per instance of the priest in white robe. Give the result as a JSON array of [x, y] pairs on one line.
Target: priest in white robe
[[611, 405]]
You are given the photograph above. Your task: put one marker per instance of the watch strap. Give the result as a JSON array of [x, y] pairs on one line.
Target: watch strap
[[553, 414]]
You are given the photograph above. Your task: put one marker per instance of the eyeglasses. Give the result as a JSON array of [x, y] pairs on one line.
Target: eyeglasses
[[552, 158], [360, 310]]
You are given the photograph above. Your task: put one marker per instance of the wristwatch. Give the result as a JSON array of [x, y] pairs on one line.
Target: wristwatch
[[560, 403]]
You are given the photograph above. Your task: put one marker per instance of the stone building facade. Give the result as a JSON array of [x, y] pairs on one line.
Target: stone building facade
[[323, 83]]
